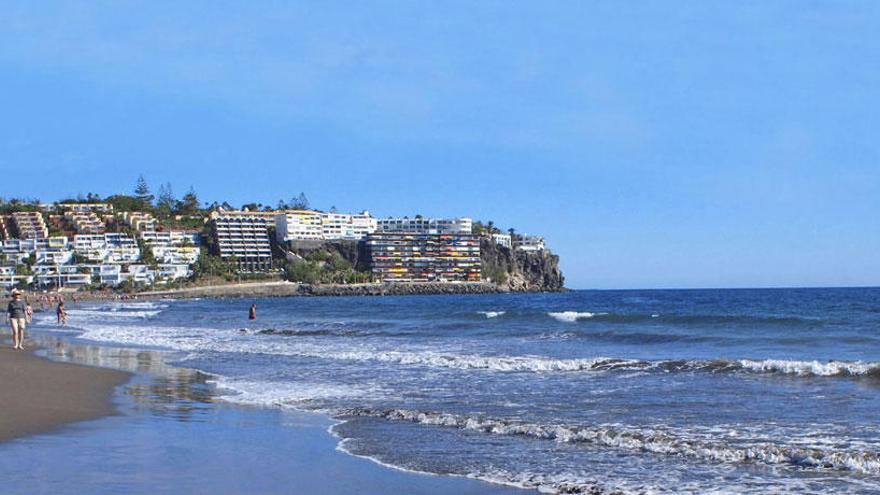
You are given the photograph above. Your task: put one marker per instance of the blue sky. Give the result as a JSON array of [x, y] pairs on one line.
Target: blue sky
[[654, 144]]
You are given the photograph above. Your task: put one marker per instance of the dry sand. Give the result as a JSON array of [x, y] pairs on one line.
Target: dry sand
[[38, 395]]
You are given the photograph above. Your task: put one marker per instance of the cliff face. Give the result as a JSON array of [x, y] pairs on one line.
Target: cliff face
[[521, 271]]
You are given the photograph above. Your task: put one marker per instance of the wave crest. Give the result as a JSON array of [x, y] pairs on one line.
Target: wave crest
[[572, 316], [653, 440]]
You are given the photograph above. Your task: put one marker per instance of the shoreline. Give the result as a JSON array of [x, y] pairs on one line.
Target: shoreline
[[39, 395]]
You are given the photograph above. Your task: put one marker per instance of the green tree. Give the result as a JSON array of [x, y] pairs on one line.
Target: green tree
[[210, 265], [122, 202], [301, 202], [189, 204], [166, 203], [142, 193], [308, 272]]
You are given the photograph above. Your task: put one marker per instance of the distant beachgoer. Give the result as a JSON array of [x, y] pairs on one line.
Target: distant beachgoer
[[28, 311], [62, 314], [15, 316], [252, 315]]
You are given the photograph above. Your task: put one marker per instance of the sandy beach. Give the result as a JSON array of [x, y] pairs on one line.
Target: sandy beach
[[39, 395]]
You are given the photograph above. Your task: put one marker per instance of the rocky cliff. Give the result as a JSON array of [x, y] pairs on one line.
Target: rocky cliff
[[521, 271]]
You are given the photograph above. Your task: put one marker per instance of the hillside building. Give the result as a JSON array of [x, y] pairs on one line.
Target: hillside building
[[307, 225], [139, 221], [423, 225], [336, 226], [86, 222], [242, 237], [28, 225], [503, 240], [298, 225], [84, 207], [422, 257], [529, 243]]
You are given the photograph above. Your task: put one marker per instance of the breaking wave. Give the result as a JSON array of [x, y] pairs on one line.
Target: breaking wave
[[492, 314], [653, 440], [96, 314], [572, 316]]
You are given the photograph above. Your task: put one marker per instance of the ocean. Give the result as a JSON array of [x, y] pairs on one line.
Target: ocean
[[655, 391]]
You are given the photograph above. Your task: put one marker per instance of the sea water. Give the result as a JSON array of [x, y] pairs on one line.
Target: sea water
[[693, 391]]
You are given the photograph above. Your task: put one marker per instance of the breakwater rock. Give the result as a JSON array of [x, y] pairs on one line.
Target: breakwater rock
[[286, 289]]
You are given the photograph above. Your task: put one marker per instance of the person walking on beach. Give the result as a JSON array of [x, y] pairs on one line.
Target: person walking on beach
[[15, 316], [28, 311], [62, 314], [252, 314]]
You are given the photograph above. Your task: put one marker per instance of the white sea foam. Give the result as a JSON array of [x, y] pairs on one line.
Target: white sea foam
[[200, 340], [573, 316], [285, 394], [812, 368], [654, 440], [492, 314], [97, 314]]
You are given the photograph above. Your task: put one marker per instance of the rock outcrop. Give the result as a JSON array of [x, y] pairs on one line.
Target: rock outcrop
[[521, 271]]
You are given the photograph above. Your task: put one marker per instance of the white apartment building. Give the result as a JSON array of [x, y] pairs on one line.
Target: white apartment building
[[171, 271], [529, 243], [10, 281], [29, 225], [502, 240], [31, 245], [307, 225], [54, 257], [84, 222], [175, 254], [299, 225], [68, 279], [114, 275], [109, 248], [423, 225], [84, 207], [244, 238], [171, 238], [139, 221], [122, 255], [84, 242], [347, 226]]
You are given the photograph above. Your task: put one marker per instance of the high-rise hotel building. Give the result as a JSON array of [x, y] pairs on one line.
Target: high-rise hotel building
[[242, 237], [424, 257]]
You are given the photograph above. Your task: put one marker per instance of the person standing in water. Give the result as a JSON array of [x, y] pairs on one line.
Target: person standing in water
[[15, 316], [62, 314], [252, 314]]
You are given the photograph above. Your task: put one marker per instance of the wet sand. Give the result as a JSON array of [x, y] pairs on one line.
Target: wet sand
[[38, 395]]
